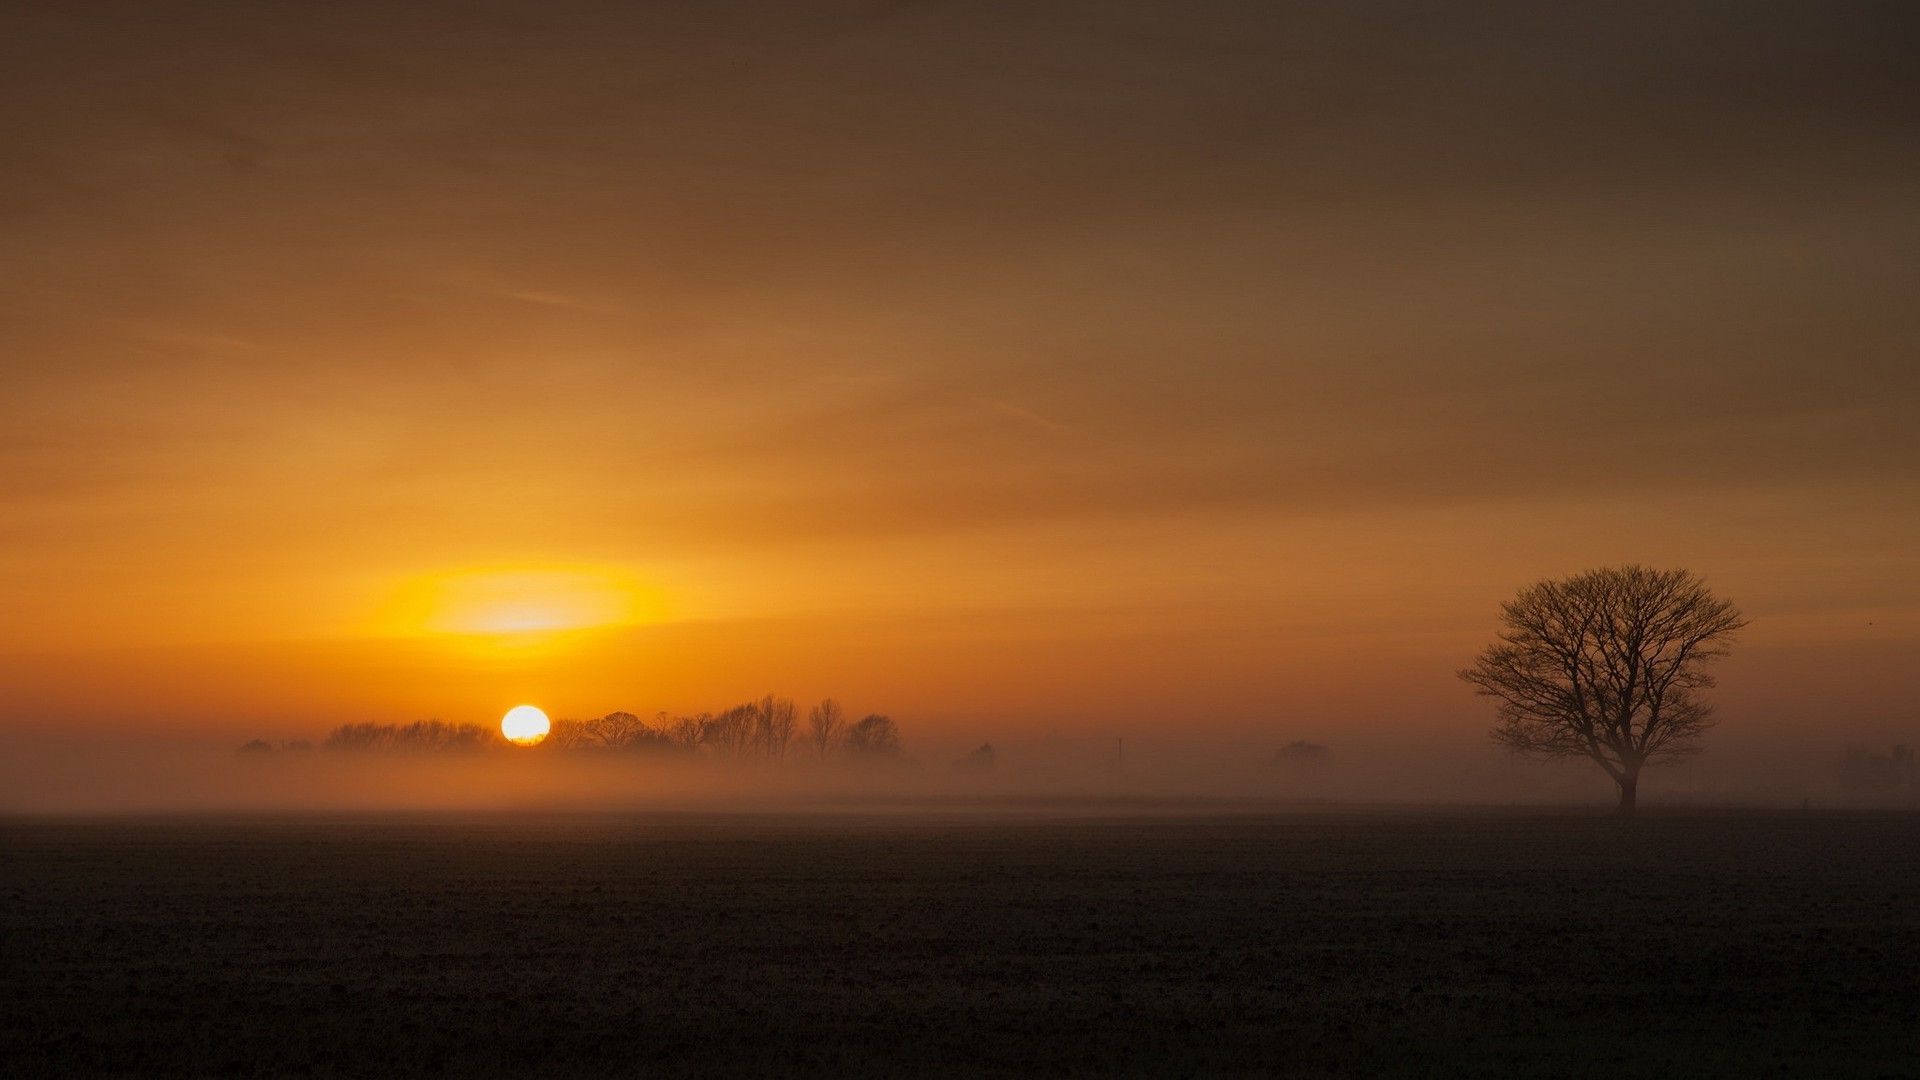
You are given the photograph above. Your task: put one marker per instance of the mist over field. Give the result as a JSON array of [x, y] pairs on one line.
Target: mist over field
[[90, 775]]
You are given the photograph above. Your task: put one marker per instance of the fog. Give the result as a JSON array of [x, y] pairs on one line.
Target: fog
[[97, 774]]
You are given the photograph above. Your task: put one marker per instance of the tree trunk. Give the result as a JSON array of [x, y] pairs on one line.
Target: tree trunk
[[1629, 789]]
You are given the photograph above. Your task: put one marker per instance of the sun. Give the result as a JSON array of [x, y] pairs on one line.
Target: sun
[[524, 725]]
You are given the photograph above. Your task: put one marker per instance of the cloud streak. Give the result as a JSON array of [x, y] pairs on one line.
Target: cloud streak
[[1198, 313]]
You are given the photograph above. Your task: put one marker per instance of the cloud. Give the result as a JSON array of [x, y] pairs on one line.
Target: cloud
[[402, 286]]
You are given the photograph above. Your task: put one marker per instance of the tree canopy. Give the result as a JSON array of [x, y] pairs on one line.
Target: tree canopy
[[1609, 665]]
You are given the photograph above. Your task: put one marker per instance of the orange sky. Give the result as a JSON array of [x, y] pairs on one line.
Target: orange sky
[[1107, 367]]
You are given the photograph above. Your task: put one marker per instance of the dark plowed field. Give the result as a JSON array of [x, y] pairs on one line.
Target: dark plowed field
[[1301, 944]]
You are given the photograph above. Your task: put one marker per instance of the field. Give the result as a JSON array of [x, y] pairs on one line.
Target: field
[[1303, 944]]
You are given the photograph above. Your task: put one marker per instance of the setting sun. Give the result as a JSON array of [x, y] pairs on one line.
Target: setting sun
[[524, 725]]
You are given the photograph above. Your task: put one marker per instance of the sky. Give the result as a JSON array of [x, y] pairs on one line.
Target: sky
[[1185, 371]]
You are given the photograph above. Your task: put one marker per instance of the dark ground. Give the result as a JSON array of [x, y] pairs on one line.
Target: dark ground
[[1446, 943]]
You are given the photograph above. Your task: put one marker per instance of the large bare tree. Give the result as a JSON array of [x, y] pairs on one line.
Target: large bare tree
[[1608, 665]]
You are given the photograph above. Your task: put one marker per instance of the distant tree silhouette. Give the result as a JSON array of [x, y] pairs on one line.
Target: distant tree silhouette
[[686, 733], [614, 731], [255, 748], [873, 736], [764, 728], [774, 722], [730, 733], [981, 759], [425, 736], [1607, 665], [1872, 770], [439, 735], [824, 725], [618, 730], [662, 734], [362, 737], [1301, 752], [566, 733]]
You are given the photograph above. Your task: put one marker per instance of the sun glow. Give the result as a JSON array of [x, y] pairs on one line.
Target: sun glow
[[525, 725], [520, 601]]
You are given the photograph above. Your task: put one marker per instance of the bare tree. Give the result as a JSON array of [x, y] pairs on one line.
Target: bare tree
[[616, 729], [686, 732], [731, 733], [873, 736], [1607, 665], [774, 721], [423, 736], [363, 737], [566, 733], [824, 723]]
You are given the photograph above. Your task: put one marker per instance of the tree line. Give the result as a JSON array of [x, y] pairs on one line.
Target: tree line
[[770, 729]]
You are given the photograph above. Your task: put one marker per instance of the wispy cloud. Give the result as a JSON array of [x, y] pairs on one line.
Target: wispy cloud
[[552, 299], [1021, 412], [192, 337]]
